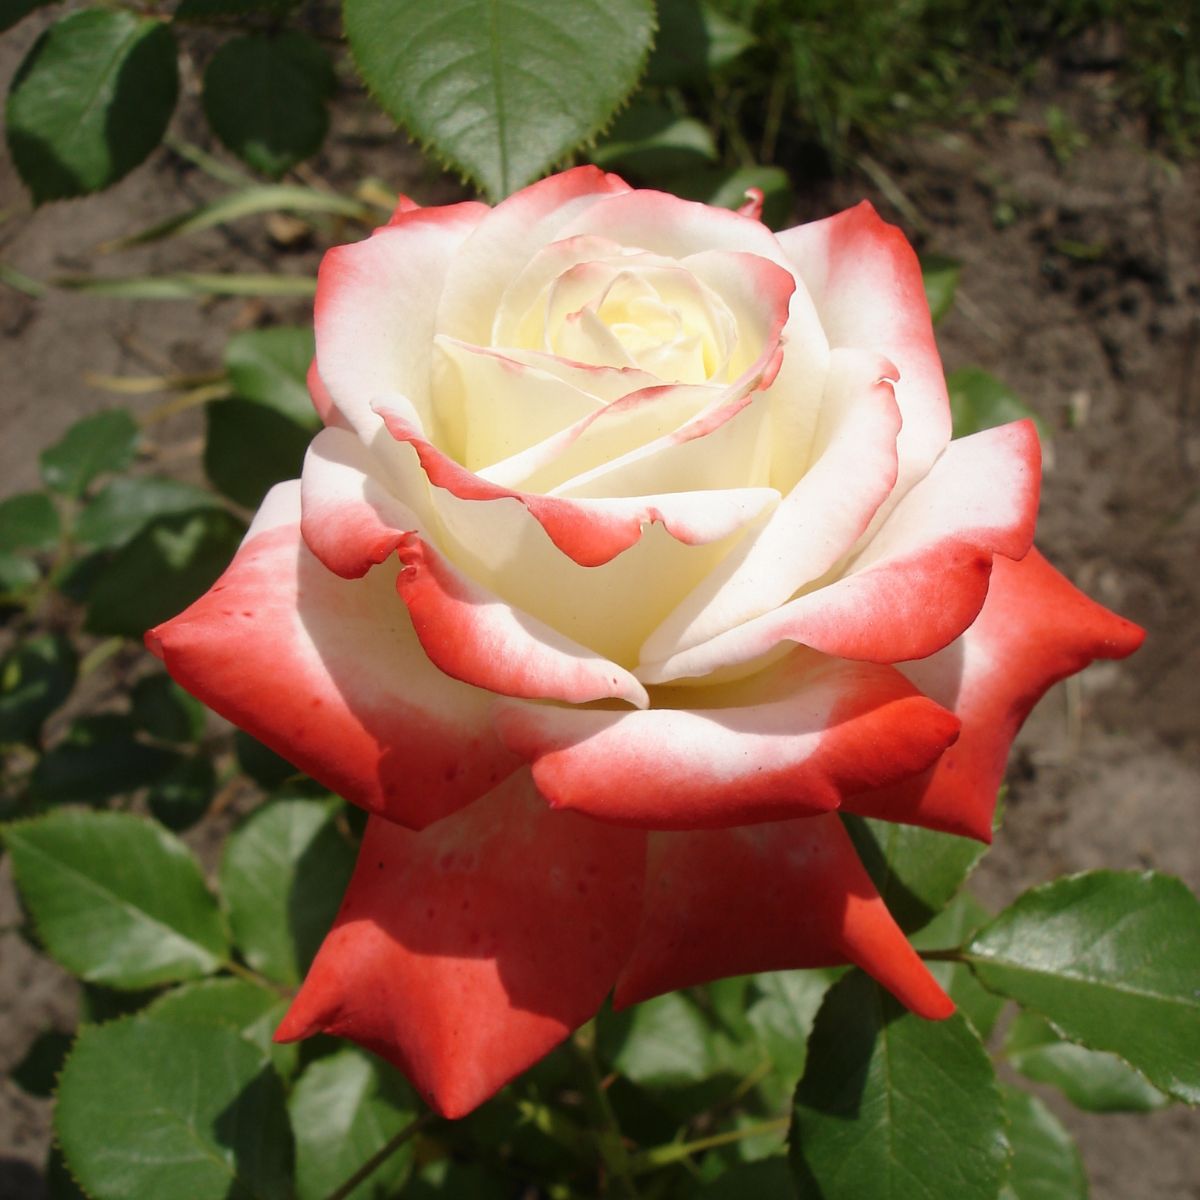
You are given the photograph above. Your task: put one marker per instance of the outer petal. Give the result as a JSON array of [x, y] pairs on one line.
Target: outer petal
[[322, 400], [866, 283], [923, 577], [766, 898], [465, 953], [375, 308], [1035, 629], [788, 743], [329, 674]]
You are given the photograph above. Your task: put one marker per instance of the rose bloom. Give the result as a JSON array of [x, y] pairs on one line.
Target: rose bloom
[[633, 550]]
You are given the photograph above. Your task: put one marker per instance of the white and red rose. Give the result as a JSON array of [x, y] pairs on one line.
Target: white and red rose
[[635, 548]]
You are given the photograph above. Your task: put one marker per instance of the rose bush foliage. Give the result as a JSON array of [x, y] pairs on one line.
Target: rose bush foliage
[[633, 549]]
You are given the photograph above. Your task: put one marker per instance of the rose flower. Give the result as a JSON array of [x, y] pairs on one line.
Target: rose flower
[[633, 549]]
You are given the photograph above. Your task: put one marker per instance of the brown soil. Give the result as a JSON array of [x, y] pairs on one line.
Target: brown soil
[[1081, 290]]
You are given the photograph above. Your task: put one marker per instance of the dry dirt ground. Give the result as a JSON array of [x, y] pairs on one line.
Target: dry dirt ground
[[1081, 290]]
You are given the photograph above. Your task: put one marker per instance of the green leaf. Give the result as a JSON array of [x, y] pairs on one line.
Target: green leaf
[[694, 40], [916, 870], [250, 448], [1091, 1079], [981, 401], [182, 797], [90, 101], [125, 506], [664, 1042], [270, 366], [237, 1004], [161, 571], [116, 899], [17, 573], [783, 1014], [36, 1072], [652, 141], [502, 89], [941, 276], [35, 678], [162, 708], [261, 763], [156, 1108], [951, 929], [768, 1180], [104, 442], [282, 879], [1045, 1163], [100, 757], [344, 1109], [28, 522], [266, 97], [895, 1107], [1110, 958]]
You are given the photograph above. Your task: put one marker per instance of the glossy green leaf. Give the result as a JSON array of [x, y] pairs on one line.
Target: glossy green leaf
[[784, 1012], [270, 366], [36, 676], [1091, 1079], [185, 793], [652, 142], [163, 709], [916, 870], [502, 89], [895, 1107], [694, 40], [344, 1109], [99, 757], [100, 443], [253, 1011], [28, 522], [664, 1042], [250, 448], [941, 276], [951, 929], [267, 98], [981, 401], [282, 879], [159, 1108], [90, 101], [172, 562], [116, 899], [1045, 1164], [1111, 959], [125, 506]]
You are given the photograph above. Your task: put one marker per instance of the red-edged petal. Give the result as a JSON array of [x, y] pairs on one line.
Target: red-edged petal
[[1035, 628], [328, 673], [816, 523], [752, 206], [475, 637], [923, 577], [375, 309], [787, 743], [466, 952], [865, 280], [767, 898], [505, 243], [322, 400], [591, 532]]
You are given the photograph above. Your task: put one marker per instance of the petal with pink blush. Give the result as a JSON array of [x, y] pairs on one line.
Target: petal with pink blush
[[375, 309], [853, 470], [866, 283], [328, 673], [772, 897], [1035, 628], [923, 577], [786, 743], [466, 952]]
